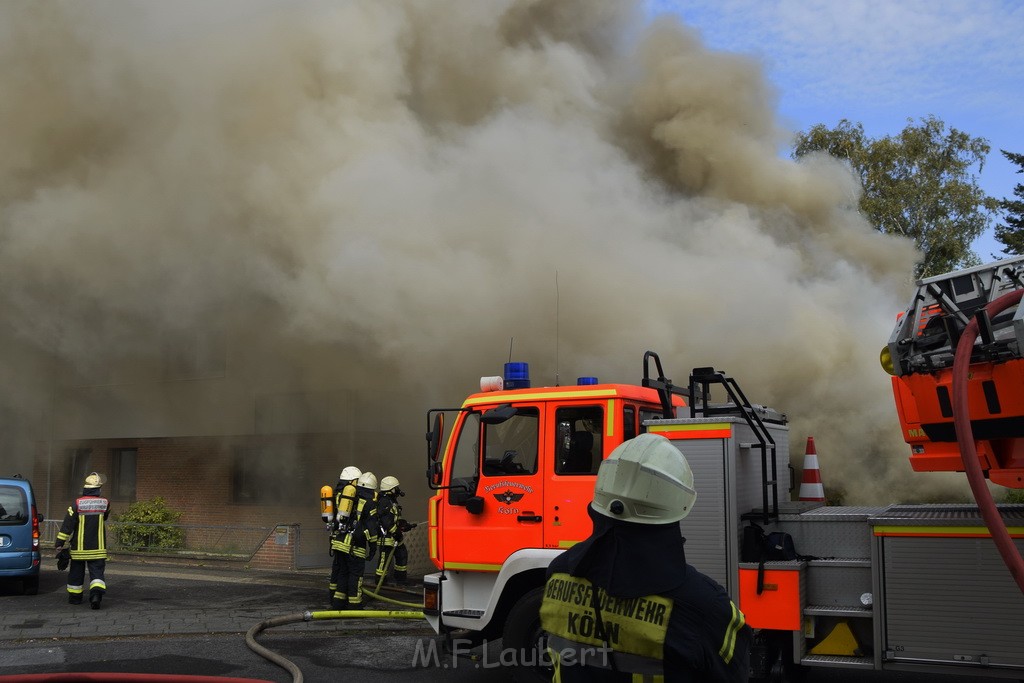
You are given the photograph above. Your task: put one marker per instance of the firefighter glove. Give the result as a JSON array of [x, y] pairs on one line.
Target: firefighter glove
[[63, 558]]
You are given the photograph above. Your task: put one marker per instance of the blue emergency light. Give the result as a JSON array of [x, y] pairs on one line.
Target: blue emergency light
[[517, 375], [585, 381]]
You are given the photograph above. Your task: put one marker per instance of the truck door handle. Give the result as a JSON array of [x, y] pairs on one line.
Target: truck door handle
[[529, 518]]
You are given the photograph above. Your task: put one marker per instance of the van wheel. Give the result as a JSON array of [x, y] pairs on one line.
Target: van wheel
[[30, 586], [523, 637]]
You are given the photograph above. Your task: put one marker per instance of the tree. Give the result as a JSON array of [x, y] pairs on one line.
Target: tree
[[1012, 233], [917, 184]]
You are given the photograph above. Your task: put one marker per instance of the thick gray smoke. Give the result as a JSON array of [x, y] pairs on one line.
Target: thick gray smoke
[[388, 192]]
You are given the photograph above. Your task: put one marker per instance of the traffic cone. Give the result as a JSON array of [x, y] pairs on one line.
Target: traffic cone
[[811, 487]]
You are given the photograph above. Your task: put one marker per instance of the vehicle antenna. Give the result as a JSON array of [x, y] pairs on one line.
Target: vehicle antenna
[[510, 340], [557, 383]]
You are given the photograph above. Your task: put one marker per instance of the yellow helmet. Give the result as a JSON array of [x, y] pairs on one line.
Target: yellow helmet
[[645, 480], [94, 480]]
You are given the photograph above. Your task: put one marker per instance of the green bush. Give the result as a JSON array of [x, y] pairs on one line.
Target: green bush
[[149, 525], [1013, 496]]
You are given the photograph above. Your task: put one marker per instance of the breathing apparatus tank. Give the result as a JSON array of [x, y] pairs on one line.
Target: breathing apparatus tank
[[327, 504], [346, 503]]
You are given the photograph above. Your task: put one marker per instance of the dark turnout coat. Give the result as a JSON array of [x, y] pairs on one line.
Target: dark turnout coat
[[85, 527], [625, 602]]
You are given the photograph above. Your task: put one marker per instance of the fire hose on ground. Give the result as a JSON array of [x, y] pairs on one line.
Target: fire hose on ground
[[289, 666], [968, 451]]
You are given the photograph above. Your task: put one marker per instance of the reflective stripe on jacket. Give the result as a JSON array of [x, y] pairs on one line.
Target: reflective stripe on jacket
[[628, 639], [356, 541], [625, 636], [85, 529]]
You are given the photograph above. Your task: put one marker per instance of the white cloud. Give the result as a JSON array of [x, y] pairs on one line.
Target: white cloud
[[913, 54]]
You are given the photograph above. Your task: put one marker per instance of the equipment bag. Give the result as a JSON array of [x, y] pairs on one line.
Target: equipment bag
[[757, 546]]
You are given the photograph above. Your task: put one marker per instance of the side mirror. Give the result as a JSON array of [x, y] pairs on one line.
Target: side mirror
[[434, 438], [475, 505], [434, 474]]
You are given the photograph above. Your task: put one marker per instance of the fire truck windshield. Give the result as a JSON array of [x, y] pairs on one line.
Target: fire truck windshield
[[508, 448]]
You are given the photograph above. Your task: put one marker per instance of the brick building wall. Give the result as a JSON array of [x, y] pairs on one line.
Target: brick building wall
[[200, 478]]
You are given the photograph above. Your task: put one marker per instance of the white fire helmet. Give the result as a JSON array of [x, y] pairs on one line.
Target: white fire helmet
[[350, 473], [645, 480], [367, 480], [388, 483], [94, 481]]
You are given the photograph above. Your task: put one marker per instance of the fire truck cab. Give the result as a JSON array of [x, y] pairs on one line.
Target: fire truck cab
[[513, 478]]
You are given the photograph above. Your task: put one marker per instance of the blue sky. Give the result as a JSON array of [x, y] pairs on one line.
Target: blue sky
[[880, 62]]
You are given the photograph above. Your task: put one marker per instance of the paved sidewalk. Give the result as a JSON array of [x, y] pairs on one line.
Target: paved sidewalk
[[145, 600]]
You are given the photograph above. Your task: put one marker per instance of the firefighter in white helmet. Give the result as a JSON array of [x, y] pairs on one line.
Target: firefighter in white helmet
[[354, 543], [344, 503], [84, 530], [687, 629], [392, 528]]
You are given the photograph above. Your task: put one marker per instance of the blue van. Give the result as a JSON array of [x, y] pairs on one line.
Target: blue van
[[19, 533]]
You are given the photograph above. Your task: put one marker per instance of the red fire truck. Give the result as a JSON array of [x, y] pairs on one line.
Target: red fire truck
[[899, 587]]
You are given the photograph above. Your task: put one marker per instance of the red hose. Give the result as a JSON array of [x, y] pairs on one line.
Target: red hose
[[105, 677], [968, 451]]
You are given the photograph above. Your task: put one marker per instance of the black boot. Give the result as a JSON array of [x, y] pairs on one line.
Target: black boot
[[339, 604], [401, 578], [74, 598], [95, 598]]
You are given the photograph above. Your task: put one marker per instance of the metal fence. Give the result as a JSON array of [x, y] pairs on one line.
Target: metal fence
[[228, 542]]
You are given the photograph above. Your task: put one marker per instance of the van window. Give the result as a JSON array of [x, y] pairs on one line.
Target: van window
[[13, 505]]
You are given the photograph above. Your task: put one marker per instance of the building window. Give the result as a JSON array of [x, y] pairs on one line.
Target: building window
[[125, 461], [245, 476], [257, 479], [79, 458], [196, 355]]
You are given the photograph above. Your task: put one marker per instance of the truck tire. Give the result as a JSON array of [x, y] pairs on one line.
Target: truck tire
[[771, 661], [523, 638]]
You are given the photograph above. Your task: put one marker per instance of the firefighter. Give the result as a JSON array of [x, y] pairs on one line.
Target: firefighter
[[392, 528], [354, 542], [85, 531], [344, 497], [624, 601]]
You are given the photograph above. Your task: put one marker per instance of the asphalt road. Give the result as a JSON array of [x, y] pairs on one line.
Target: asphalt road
[[181, 621]]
